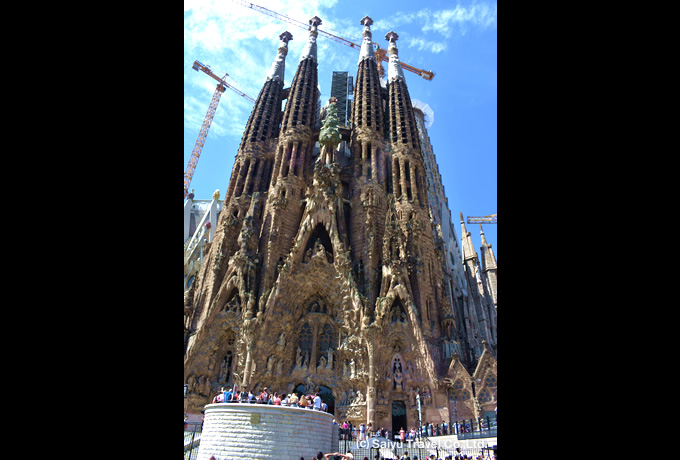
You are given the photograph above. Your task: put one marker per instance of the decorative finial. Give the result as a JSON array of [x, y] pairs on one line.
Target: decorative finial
[[461, 218], [216, 194], [315, 21], [286, 37], [391, 36], [366, 21]]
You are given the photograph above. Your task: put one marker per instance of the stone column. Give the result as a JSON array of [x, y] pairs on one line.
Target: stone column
[[370, 391], [245, 380]]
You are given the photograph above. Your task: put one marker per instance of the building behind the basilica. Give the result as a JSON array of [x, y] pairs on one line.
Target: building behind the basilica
[[336, 272]]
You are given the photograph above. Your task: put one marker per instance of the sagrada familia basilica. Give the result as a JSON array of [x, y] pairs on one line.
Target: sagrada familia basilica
[[327, 272]]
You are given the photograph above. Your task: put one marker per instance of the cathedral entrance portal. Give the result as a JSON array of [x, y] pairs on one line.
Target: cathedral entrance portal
[[398, 417], [327, 396]]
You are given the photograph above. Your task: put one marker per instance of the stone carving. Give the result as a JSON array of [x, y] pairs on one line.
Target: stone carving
[[397, 373]]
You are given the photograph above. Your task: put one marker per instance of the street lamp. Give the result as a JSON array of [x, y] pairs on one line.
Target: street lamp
[[420, 419]]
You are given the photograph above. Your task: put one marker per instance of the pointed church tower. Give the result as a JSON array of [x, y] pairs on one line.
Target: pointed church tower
[[249, 181], [370, 163], [489, 266], [292, 164], [412, 208], [477, 319]]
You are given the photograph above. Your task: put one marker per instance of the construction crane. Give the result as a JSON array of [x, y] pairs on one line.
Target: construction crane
[[482, 220], [198, 146], [380, 53]]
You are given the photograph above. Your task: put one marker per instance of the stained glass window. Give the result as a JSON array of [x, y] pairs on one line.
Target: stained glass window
[[305, 341]]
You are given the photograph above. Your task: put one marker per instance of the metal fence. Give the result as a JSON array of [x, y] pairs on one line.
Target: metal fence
[[192, 438], [485, 427], [422, 447]]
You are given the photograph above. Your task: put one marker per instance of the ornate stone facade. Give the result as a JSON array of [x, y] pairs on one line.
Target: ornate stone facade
[[324, 276]]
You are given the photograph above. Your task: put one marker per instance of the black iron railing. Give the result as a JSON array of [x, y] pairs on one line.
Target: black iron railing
[[423, 448], [192, 438], [485, 427]]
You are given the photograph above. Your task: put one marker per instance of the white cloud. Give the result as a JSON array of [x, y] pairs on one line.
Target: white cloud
[[426, 45], [443, 22], [478, 15]]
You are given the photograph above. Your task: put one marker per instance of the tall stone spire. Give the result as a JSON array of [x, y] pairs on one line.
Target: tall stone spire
[[394, 70], [367, 108], [403, 129], [264, 120], [309, 51], [302, 100], [467, 248], [489, 267], [277, 70], [367, 43], [292, 164], [369, 158]]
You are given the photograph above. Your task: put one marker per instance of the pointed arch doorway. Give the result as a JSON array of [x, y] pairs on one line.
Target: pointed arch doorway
[[398, 417]]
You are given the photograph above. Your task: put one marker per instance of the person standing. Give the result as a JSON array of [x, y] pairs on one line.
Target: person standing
[[362, 432], [402, 434], [317, 401]]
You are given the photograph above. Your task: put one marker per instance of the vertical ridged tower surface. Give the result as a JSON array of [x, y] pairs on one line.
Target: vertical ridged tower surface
[[370, 165], [292, 165]]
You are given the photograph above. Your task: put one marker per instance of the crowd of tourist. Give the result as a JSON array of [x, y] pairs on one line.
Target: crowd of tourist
[[234, 395]]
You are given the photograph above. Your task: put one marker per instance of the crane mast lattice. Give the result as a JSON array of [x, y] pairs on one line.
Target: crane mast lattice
[[203, 133]]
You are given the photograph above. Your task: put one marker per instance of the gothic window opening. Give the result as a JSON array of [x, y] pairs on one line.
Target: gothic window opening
[[326, 347], [388, 175], [397, 179], [317, 341], [253, 174], [417, 177], [304, 350], [316, 307], [398, 312], [369, 162], [225, 368], [407, 170], [318, 241], [233, 302], [485, 396], [459, 393]]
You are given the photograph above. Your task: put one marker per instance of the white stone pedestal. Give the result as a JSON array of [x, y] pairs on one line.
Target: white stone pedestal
[[259, 431]]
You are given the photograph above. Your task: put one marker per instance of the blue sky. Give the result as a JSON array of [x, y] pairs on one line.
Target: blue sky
[[457, 41]]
